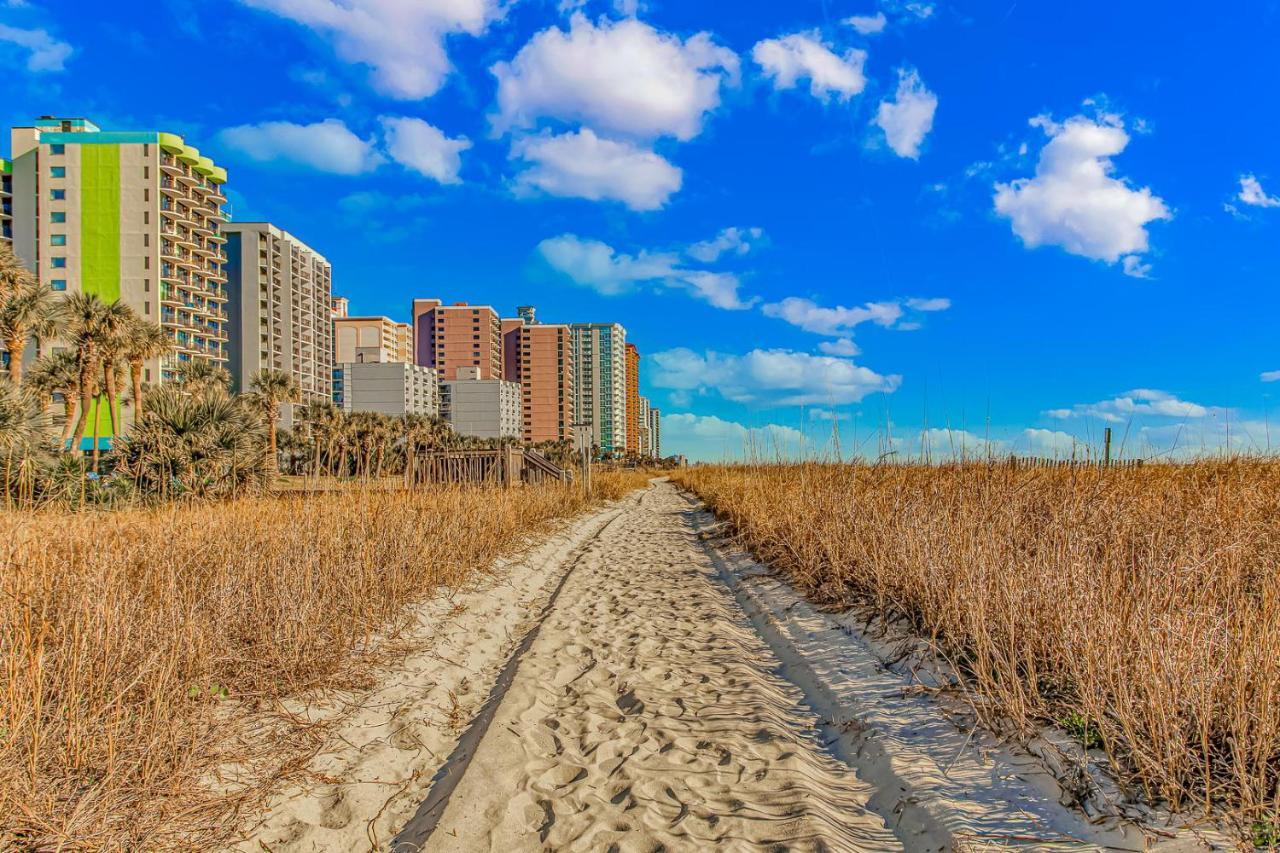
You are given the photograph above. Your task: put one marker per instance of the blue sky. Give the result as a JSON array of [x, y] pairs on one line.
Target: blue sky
[[969, 221]]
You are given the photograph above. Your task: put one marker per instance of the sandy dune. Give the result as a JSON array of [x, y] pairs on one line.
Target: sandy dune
[[633, 687]]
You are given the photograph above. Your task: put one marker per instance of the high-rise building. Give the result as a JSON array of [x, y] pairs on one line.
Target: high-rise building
[[449, 337], [280, 298], [363, 339], [539, 356], [642, 427], [600, 383], [341, 306], [134, 217], [6, 201], [634, 421], [484, 408], [655, 433]]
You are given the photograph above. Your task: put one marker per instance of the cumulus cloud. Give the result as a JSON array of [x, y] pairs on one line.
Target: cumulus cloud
[[959, 444], [44, 52], [598, 265], [826, 415], [1054, 443], [805, 56], [774, 376], [1252, 193], [737, 241], [1075, 201], [867, 25], [417, 145], [1271, 376], [842, 347], [907, 119], [326, 146], [402, 41], [839, 321], [584, 165], [1140, 401], [707, 438], [622, 77]]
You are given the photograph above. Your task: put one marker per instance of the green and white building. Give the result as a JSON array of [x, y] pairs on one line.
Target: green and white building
[[129, 216], [600, 382]]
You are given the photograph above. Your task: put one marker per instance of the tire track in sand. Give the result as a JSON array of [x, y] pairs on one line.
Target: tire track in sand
[[647, 715]]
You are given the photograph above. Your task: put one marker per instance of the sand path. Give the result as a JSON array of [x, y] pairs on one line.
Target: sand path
[[647, 716]]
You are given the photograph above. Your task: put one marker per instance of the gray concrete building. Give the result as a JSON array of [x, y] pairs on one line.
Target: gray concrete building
[[6, 201], [279, 308], [390, 388], [484, 408], [655, 432]]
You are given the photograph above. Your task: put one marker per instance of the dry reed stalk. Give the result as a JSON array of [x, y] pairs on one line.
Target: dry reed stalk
[[1137, 607], [122, 633]]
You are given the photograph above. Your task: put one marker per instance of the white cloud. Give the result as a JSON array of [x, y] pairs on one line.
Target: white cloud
[[826, 415], [937, 303], [776, 376], [1055, 443], [867, 25], [799, 56], [957, 444], [907, 119], [707, 438], [417, 145], [598, 265], [1252, 193], [910, 9], [1271, 376], [326, 146], [731, 240], [583, 165], [401, 40], [834, 322], [1074, 200], [842, 347], [622, 77], [44, 52], [1140, 401]]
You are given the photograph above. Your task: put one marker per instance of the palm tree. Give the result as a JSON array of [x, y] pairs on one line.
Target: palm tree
[[203, 377], [21, 432], [143, 342], [91, 325], [33, 310], [271, 388], [14, 275], [58, 374], [319, 421]]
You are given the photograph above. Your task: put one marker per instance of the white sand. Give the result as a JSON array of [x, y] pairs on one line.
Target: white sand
[[675, 696]]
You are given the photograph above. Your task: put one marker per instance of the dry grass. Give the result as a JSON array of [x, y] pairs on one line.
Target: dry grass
[[122, 635], [1141, 607]]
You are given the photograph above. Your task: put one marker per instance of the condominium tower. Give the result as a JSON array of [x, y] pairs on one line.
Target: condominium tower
[[280, 292], [600, 383], [449, 337], [655, 433], [634, 419], [357, 339], [129, 216], [539, 356]]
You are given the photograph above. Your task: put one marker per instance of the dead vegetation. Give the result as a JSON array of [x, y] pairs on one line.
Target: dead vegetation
[[1138, 609], [128, 638]]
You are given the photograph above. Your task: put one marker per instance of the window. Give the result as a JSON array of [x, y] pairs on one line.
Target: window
[[57, 239], [57, 148], [58, 195], [58, 284], [57, 171], [57, 217], [58, 263]]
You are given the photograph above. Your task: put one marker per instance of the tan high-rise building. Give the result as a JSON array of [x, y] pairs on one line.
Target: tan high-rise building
[[341, 307], [366, 339], [134, 217], [449, 337], [539, 356], [600, 383], [633, 401], [281, 296]]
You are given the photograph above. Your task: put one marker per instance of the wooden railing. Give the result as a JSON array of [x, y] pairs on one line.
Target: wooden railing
[[505, 466]]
